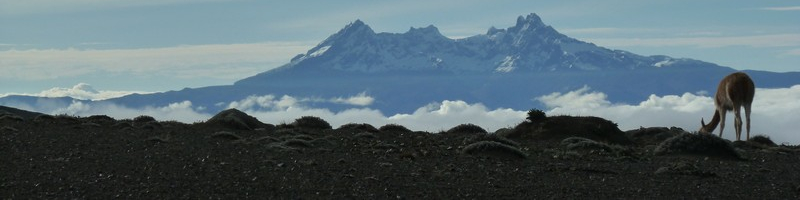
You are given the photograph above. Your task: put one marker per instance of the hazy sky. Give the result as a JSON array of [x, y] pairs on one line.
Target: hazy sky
[[159, 45]]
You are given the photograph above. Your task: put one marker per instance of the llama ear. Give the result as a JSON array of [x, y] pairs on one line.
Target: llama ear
[[702, 122]]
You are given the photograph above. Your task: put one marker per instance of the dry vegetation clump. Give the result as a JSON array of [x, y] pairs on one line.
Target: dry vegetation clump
[[363, 127], [394, 128], [561, 127], [152, 125], [493, 148], [122, 125], [298, 136], [466, 128], [91, 124], [10, 117], [44, 118], [698, 144], [142, 119], [763, 140], [235, 119], [684, 168], [164, 138], [226, 135], [579, 143], [67, 118], [492, 137], [366, 135], [8, 129], [101, 119], [266, 139], [299, 143], [758, 142], [653, 135], [311, 122]]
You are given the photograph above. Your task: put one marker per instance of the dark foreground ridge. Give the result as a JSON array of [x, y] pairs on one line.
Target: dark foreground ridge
[[234, 157]]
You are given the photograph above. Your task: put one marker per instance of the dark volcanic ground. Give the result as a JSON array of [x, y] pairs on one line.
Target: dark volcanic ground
[[233, 157]]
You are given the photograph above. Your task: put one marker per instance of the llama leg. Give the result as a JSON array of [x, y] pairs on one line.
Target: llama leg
[[722, 113], [747, 115], [737, 122]]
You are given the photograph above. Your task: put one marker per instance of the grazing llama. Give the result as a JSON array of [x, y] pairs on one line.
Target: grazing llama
[[734, 91]]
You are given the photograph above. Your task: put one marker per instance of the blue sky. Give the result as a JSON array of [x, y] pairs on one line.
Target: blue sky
[[159, 45]]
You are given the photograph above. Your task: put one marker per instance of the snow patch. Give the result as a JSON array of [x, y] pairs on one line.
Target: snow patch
[[664, 63], [507, 65], [319, 51]]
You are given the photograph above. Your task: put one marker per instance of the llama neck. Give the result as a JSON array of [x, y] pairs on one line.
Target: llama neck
[[713, 123]]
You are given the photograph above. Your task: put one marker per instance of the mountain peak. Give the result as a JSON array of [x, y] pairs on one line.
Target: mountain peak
[[429, 31], [356, 27], [532, 21], [425, 30]]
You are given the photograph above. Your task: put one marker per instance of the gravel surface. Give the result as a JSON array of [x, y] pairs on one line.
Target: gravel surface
[[63, 157]]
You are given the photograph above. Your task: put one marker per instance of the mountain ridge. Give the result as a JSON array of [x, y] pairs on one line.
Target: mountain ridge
[[528, 46], [503, 68]]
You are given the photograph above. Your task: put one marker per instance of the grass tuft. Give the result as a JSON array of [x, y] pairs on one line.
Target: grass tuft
[[698, 144], [493, 148], [227, 135]]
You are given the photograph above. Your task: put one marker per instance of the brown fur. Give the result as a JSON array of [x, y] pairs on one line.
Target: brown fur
[[734, 92]]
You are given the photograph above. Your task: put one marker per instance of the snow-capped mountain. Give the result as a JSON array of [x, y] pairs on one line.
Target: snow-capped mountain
[[529, 46], [502, 68]]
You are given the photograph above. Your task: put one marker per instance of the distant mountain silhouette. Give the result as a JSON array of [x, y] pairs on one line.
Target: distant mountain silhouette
[[502, 68]]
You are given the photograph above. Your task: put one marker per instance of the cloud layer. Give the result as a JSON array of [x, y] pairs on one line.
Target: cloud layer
[[774, 112], [82, 91], [771, 40], [218, 61]]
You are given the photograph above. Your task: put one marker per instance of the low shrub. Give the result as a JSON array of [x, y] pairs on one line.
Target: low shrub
[[143, 119], [466, 128], [653, 135], [763, 140], [311, 122], [359, 127], [561, 127], [394, 128], [235, 119], [100, 119], [698, 144], [536, 115]]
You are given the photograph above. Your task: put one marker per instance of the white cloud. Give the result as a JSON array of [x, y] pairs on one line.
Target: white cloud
[[575, 99], [179, 111], [793, 52], [217, 61], [56, 6], [271, 102], [773, 40], [359, 100], [82, 91], [786, 8], [774, 112], [591, 30], [447, 114]]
